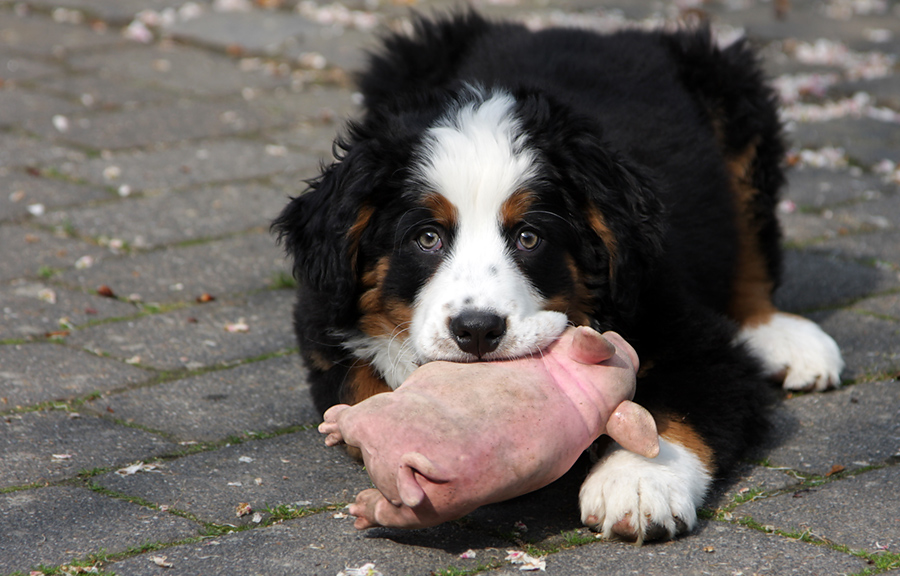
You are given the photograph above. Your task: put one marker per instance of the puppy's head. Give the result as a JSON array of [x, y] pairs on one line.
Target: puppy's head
[[470, 227]]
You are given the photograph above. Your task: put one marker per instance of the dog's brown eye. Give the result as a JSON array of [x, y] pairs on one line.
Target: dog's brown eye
[[527, 240], [429, 240]]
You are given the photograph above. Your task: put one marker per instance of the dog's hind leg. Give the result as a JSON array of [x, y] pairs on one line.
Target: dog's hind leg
[[792, 349]]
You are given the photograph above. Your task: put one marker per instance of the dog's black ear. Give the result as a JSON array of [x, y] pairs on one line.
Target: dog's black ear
[[321, 228], [615, 201], [624, 214], [621, 215]]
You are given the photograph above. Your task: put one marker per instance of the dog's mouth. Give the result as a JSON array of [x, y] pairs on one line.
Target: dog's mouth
[[477, 336]]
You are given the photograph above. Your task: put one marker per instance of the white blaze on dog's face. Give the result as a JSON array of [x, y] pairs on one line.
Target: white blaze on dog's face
[[479, 304]]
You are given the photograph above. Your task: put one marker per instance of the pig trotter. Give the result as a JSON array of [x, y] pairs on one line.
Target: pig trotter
[[590, 347], [331, 426], [634, 429]]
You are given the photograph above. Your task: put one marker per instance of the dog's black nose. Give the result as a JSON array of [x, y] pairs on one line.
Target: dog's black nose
[[478, 332]]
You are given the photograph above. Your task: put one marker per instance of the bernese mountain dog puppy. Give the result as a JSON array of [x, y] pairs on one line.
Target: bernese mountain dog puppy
[[503, 183]]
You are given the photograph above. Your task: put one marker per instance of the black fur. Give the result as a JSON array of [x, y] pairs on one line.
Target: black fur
[[637, 125]]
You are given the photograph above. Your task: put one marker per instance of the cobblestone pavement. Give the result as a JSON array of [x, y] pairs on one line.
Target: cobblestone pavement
[[150, 391]]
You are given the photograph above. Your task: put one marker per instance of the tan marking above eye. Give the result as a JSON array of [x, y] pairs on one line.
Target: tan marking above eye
[[442, 210], [516, 207]]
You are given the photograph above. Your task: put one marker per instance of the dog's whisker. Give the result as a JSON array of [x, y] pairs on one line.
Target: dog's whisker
[[559, 217]]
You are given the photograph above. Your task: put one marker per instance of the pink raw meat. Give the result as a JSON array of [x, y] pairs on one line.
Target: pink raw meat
[[454, 436]]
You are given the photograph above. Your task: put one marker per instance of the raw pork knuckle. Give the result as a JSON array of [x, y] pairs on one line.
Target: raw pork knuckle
[[457, 436]]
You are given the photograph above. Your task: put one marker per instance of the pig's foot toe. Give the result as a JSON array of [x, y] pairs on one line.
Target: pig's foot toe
[[796, 351], [638, 499]]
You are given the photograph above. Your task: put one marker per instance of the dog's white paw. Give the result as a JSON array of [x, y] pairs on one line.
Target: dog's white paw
[[796, 349], [637, 498]]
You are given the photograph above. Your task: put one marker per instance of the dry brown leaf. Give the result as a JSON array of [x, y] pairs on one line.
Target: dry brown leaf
[[105, 291]]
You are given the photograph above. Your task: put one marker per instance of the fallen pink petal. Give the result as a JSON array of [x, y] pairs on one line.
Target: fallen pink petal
[[236, 327]]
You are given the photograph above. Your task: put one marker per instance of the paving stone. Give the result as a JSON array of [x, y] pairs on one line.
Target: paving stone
[[172, 121], [296, 470], [883, 247], [865, 140], [20, 150], [17, 68], [27, 251], [801, 23], [885, 306], [189, 70], [103, 92], [817, 279], [35, 373], [749, 476], [167, 217], [775, 60], [866, 25], [315, 138], [58, 524], [853, 427], [342, 48], [242, 263], [323, 546], [316, 106], [871, 346], [29, 441], [885, 90], [164, 123], [326, 113], [30, 111], [717, 548], [38, 35], [197, 337], [861, 512], [252, 32], [34, 309], [117, 12], [20, 194], [819, 187], [260, 397], [880, 213], [803, 228], [190, 165]]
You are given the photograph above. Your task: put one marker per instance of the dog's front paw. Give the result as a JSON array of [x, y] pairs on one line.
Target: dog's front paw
[[639, 499], [797, 350]]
